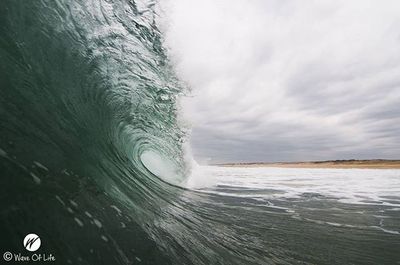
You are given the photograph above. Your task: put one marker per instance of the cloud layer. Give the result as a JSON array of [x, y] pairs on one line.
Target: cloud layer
[[288, 80]]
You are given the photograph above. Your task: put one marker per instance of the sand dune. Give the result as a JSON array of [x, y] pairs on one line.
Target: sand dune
[[375, 163]]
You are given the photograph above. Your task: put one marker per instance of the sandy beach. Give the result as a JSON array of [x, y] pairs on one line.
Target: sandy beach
[[377, 163]]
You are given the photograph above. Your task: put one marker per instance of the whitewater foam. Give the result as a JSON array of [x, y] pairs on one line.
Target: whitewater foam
[[362, 186]]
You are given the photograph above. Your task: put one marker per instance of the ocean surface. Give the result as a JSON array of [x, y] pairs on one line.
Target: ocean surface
[[93, 159], [310, 216]]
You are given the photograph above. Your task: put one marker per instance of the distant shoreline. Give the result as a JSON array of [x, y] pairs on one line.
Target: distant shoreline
[[372, 164]]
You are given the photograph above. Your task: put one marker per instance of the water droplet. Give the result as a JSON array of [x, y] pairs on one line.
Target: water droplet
[[36, 179], [3, 153], [40, 166], [73, 203], [79, 222], [97, 223]]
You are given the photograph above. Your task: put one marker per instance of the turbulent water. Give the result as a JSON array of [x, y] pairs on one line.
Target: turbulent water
[[92, 159], [312, 216]]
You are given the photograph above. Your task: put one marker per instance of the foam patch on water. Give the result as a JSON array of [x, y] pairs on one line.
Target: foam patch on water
[[200, 177], [361, 186]]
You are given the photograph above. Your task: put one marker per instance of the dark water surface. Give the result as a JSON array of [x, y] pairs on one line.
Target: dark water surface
[[85, 91]]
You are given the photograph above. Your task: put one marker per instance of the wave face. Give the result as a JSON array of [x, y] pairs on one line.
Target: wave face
[[88, 119], [91, 157]]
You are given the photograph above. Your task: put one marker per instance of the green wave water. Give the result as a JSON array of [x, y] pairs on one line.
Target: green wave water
[[92, 157], [86, 91]]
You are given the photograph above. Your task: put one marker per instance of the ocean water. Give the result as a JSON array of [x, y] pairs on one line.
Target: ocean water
[[311, 216], [92, 159]]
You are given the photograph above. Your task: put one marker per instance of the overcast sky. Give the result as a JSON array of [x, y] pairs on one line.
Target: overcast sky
[[288, 80]]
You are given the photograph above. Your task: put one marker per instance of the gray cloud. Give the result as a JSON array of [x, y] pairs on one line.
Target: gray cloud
[[284, 80]]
